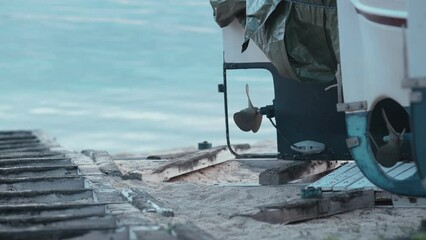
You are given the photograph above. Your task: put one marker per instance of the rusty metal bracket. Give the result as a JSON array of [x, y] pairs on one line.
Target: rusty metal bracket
[[353, 106]]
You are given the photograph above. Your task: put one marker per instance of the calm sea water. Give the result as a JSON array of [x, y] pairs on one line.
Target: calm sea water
[[120, 75]]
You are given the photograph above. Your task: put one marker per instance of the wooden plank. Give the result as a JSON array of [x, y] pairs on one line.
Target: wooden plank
[[305, 209], [168, 155], [392, 172], [104, 161], [312, 178], [172, 155], [407, 173], [343, 185], [382, 198], [145, 202], [403, 167], [189, 163], [326, 181], [411, 202], [331, 181], [352, 178], [283, 174], [190, 232], [238, 185], [364, 183], [154, 235], [295, 170]]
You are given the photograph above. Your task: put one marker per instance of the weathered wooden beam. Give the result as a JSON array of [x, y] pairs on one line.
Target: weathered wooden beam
[[170, 155], [295, 170], [305, 209], [159, 156], [189, 160], [38, 148], [104, 161], [189, 163], [190, 232], [26, 155], [145, 202], [57, 230], [189, 154], [154, 235]]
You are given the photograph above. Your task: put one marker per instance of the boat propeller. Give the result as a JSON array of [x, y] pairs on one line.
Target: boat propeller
[[389, 154], [250, 118]]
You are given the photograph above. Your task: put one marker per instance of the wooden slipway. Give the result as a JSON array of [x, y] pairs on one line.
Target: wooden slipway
[[345, 189], [349, 177], [165, 167]]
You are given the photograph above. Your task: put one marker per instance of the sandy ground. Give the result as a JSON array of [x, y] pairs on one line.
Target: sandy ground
[[208, 198], [210, 208]]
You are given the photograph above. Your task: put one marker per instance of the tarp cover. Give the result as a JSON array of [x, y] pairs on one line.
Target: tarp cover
[[300, 37]]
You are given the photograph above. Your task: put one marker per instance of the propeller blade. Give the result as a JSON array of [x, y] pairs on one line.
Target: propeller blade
[[250, 104], [248, 119], [244, 119], [391, 130], [389, 154], [257, 122]]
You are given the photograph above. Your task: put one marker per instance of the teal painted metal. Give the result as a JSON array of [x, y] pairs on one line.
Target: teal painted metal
[[357, 124], [418, 123], [311, 193]]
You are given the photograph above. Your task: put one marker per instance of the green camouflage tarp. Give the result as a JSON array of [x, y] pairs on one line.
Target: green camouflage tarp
[[300, 37]]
